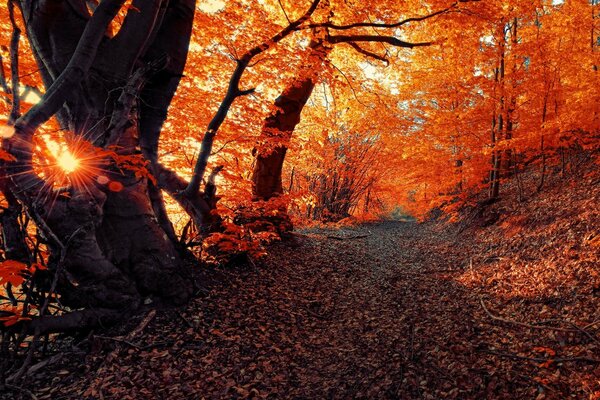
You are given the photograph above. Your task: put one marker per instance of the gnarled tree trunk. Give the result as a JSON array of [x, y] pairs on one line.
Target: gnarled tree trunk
[[112, 243]]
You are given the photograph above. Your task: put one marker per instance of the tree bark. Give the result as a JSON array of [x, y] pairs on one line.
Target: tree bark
[[280, 124]]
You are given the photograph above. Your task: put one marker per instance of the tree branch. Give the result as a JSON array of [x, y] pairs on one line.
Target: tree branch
[[15, 111], [384, 25], [368, 53], [170, 37], [284, 13], [195, 206], [20, 145], [76, 69], [374, 38], [120, 117]]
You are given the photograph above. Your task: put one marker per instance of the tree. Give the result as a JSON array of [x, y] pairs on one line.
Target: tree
[[109, 237], [288, 107]]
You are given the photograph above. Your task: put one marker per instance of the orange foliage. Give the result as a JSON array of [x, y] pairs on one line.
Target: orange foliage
[[426, 114]]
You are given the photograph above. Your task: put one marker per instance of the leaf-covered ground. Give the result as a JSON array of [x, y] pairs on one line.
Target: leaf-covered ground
[[392, 310]]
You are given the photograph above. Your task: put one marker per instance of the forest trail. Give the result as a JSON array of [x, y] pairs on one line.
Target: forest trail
[[375, 311]]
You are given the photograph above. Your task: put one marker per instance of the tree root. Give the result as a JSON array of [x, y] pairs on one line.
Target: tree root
[[575, 328], [544, 360]]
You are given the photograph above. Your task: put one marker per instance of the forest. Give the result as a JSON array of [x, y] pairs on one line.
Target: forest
[[299, 199]]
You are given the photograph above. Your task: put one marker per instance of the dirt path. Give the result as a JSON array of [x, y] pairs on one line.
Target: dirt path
[[377, 314]]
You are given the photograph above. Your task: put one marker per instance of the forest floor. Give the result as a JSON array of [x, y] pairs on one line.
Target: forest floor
[[393, 310]]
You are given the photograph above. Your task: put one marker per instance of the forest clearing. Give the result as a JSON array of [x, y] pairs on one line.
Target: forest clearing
[[317, 199]]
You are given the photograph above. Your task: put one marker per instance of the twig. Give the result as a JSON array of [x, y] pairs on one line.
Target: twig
[[135, 346], [142, 325], [591, 325], [542, 360], [119, 340], [284, 13], [36, 367], [59, 267], [188, 323], [349, 237], [130, 336], [127, 340], [315, 314], [20, 389], [526, 325], [583, 331]]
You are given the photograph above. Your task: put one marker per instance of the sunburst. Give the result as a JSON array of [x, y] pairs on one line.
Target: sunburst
[[68, 162]]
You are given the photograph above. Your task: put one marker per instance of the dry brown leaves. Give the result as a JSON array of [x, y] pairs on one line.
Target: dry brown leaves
[[382, 311]]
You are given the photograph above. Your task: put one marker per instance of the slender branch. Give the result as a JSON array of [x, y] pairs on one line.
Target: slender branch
[[233, 91], [284, 13], [135, 346], [349, 84], [374, 38], [384, 25], [15, 111], [368, 53]]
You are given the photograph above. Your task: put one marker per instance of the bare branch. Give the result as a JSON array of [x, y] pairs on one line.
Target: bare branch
[[284, 13], [384, 25], [349, 84], [368, 53], [15, 111], [374, 38]]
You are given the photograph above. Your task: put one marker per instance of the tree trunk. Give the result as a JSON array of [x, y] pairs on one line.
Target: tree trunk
[[279, 126], [110, 239], [498, 129]]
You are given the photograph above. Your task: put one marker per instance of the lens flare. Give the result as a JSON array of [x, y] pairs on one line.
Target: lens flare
[[67, 162]]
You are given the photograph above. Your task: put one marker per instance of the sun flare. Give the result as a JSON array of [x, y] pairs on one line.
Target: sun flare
[[67, 162]]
